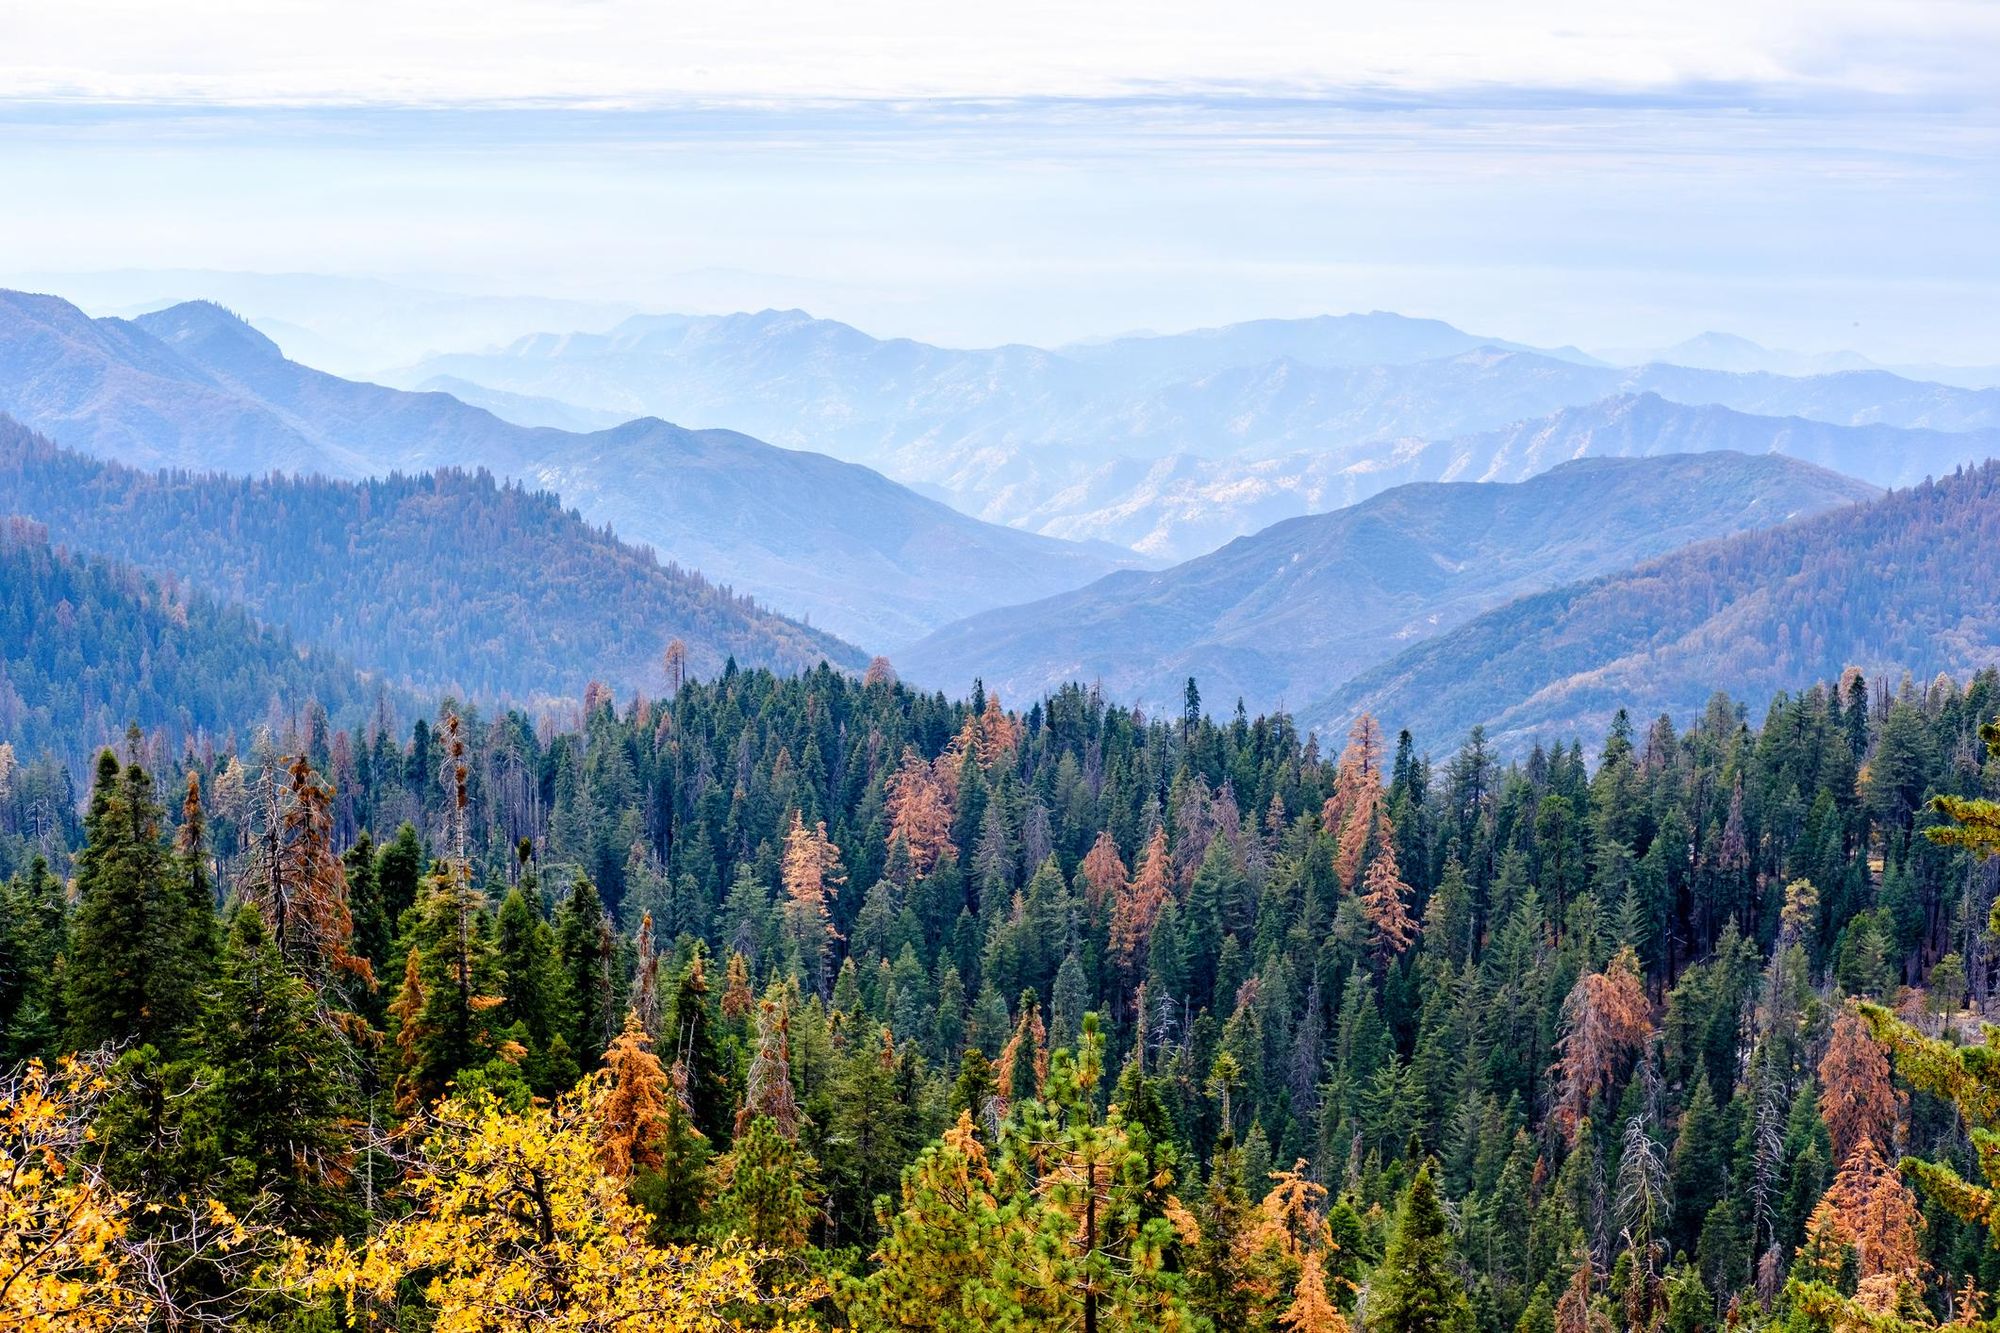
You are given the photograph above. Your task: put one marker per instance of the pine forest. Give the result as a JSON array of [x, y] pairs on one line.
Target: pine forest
[[818, 1002]]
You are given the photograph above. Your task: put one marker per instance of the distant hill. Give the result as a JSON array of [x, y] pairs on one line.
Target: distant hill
[[352, 326], [1632, 425], [1183, 505], [88, 646], [1020, 435], [1287, 614], [519, 408], [1728, 351], [447, 581], [1378, 338], [193, 386], [1903, 584], [111, 389]]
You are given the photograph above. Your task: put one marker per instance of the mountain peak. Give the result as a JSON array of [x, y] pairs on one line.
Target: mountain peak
[[221, 334]]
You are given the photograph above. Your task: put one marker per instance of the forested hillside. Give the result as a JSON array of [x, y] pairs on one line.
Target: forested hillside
[[90, 646], [1898, 585], [1293, 611], [447, 581], [899, 1013]]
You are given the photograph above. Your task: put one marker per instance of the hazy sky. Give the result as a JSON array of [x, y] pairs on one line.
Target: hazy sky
[[1812, 175]]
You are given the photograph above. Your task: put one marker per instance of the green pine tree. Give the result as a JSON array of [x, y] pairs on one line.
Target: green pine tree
[[1418, 1289], [278, 1073], [585, 947], [140, 952]]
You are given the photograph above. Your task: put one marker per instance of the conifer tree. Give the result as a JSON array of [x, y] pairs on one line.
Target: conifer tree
[[944, 1241], [1417, 1289], [633, 1118], [1219, 1259], [1218, 883], [1288, 1248], [297, 881], [1606, 1021], [531, 982], [1024, 1062], [1103, 870], [1136, 906], [811, 876], [769, 1094], [870, 1135], [1700, 1163], [1869, 1208], [1353, 814], [645, 988], [444, 1017], [1965, 1077], [920, 814], [281, 1079], [737, 1001], [584, 949], [192, 868], [646, 1138], [399, 872], [138, 952], [1855, 1096], [1384, 900], [768, 1192], [374, 931], [689, 1027], [35, 938]]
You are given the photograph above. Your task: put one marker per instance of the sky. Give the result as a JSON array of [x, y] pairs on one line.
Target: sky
[[1814, 176]]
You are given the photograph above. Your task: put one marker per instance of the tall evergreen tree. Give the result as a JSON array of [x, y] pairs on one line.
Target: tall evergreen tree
[[1418, 1288], [140, 951], [282, 1081]]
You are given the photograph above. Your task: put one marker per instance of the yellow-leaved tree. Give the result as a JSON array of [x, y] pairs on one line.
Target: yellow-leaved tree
[[513, 1225], [63, 1262], [70, 1259]]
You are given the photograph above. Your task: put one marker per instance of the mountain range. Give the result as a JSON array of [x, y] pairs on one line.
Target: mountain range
[[195, 387], [1183, 505], [467, 586], [1899, 585], [1338, 492], [1287, 614], [1012, 433]]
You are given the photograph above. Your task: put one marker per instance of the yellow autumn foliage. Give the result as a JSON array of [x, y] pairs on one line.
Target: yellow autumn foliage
[[63, 1265], [513, 1225]]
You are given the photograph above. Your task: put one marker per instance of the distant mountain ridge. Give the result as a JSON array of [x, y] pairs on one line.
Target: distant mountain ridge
[[1285, 615], [1714, 350], [192, 386], [1901, 584], [445, 582], [111, 389], [1007, 433], [1180, 506], [1377, 338], [1632, 425]]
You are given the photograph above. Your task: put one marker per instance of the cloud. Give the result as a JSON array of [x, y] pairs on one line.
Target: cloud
[[657, 52]]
